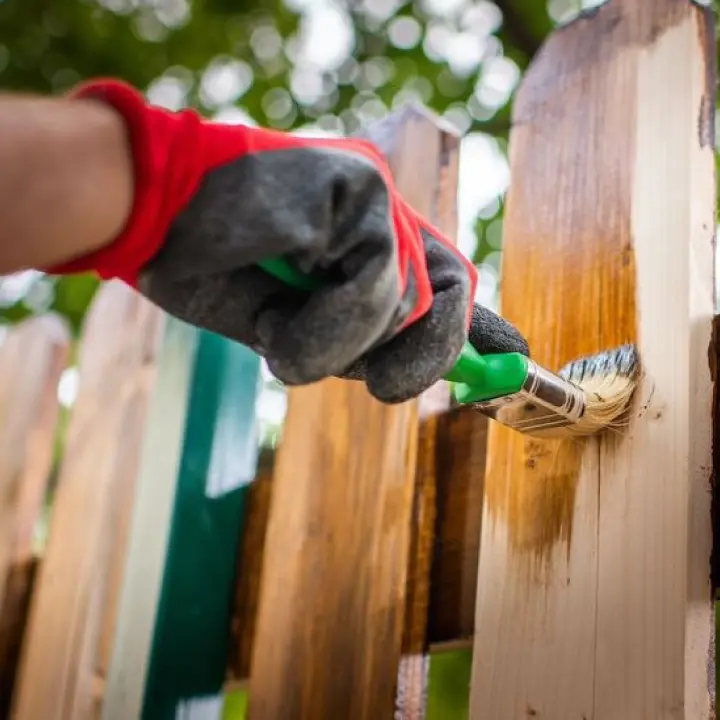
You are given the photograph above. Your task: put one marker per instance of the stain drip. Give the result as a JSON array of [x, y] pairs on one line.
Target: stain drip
[[537, 498]]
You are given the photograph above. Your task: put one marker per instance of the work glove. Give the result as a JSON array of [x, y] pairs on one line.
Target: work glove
[[213, 200]]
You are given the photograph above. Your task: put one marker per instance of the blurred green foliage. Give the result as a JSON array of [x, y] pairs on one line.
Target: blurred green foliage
[[444, 52], [449, 686]]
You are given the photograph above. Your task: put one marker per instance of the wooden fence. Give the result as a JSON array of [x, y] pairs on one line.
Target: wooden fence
[[185, 562]]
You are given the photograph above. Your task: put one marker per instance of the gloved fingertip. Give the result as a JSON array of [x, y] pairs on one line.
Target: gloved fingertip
[[400, 391], [424, 353], [491, 334]]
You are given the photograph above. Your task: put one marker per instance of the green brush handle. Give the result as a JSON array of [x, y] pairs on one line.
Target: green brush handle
[[475, 377]]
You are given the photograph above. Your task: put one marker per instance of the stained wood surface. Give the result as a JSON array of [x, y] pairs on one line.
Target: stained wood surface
[[32, 358], [459, 468], [330, 617], [77, 580], [593, 591], [19, 586], [338, 549], [451, 457], [250, 562]]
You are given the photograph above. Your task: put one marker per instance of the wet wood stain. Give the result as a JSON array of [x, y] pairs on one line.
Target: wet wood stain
[[568, 279]]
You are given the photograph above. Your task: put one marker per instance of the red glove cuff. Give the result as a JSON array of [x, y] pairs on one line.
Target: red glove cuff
[[163, 181]]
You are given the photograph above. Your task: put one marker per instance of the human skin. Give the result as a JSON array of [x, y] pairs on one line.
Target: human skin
[[66, 179]]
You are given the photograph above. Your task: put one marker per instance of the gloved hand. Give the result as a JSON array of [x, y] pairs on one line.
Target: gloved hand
[[212, 200]]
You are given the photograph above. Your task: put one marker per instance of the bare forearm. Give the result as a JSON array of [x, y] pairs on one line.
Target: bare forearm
[[66, 181]]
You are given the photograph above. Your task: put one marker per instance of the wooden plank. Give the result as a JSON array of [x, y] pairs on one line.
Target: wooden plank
[[655, 655], [32, 358], [452, 446], [116, 367], [434, 193], [199, 453], [219, 458], [414, 662], [330, 619], [19, 586], [250, 561], [147, 541], [593, 592], [459, 467], [333, 588]]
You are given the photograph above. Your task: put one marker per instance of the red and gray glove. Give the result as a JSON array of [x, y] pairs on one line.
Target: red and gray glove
[[212, 200]]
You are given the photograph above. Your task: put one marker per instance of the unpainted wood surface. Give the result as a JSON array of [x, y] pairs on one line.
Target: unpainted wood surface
[[71, 612], [338, 547], [593, 591], [121, 693], [32, 358]]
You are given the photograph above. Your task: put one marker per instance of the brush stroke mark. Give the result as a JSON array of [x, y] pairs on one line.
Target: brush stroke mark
[[706, 114]]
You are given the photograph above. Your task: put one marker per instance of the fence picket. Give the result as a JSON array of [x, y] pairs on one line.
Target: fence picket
[[32, 359], [338, 551], [57, 671]]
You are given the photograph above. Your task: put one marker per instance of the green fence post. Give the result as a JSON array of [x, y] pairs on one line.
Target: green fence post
[[199, 456]]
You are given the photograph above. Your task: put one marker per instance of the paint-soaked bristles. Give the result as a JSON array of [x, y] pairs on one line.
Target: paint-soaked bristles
[[608, 380], [588, 395]]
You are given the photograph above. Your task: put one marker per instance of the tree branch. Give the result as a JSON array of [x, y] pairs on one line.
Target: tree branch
[[524, 29]]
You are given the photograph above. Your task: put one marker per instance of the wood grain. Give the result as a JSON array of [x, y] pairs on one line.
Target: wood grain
[[332, 596], [78, 575], [459, 468], [451, 455], [338, 547], [593, 592], [32, 358], [249, 570], [428, 180], [199, 451], [19, 586], [161, 439]]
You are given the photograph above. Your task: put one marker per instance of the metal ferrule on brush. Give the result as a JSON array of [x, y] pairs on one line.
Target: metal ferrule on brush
[[545, 402]]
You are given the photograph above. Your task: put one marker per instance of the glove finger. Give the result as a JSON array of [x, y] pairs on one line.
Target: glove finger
[[227, 304], [322, 336], [490, 334], [304, 337], [421, 354]]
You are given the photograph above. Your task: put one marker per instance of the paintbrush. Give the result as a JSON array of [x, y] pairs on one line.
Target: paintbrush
[[586, 396]]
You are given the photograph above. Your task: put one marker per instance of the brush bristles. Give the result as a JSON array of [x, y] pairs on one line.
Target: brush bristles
[[608, 380]]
